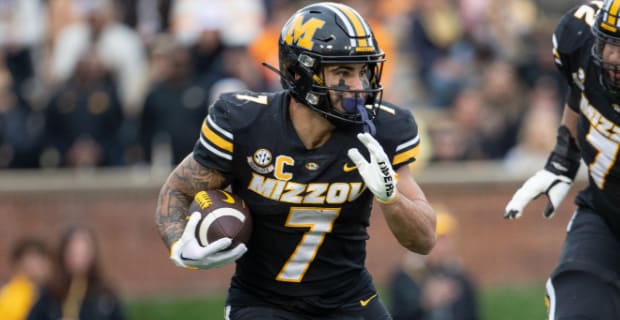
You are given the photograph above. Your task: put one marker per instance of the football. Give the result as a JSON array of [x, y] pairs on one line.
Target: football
[[223, 215]]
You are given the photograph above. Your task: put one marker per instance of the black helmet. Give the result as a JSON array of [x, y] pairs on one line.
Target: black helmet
[[606, 30], [329, 33]]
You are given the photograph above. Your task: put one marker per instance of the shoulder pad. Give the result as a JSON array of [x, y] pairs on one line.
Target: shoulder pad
[[227, 116], [242, 107], [397, 131], [573, 30], [245, 97]]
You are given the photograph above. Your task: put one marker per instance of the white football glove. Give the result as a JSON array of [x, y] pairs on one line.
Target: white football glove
[[378, 173], [188, 253], [554, 186]]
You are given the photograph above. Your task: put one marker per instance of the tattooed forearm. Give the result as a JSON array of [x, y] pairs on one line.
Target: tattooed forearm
[[176, 194], [170, 214]]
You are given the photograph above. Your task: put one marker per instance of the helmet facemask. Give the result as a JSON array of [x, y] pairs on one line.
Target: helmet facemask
[[609, 74], [357, 106], [606, 30]]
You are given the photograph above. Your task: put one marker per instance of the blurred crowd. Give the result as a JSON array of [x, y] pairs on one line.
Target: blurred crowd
[[59, 282], [436, 286], [94, 83]]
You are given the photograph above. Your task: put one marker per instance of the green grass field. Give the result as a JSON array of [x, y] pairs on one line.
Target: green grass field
[[505, 303], [513, 303]]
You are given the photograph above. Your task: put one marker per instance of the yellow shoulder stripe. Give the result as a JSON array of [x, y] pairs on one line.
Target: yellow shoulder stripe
[[406, 155], [216, 139]]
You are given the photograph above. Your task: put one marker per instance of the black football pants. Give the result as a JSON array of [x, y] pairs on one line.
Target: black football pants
[[375, 310], [586, 282]]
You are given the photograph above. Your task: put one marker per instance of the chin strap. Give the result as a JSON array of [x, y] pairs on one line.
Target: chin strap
[[356, 104]]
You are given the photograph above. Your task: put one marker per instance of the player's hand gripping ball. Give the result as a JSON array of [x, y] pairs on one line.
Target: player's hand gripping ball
[[224, 215]]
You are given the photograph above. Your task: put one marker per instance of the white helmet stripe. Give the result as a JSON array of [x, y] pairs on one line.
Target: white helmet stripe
[[343, 17], [359, 18], [361, 28]]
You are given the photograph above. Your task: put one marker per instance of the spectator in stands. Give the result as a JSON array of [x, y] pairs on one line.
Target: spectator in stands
[[120, 49], [30, 264], [22, 31], [61, 14], [148, 17], [83, 119], [174, 107], [485, 117], [442, 54], [537, 64], [435, 287], [21, 127], [447, 144], [471, 118], [189, 18], [509, 26], [537, 134], [77, 289], [504, 96], [205, 27], [238, 64], [207, 50], [263, 48]]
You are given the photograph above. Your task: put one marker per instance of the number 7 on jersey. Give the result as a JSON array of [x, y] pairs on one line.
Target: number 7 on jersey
[[320, 221]]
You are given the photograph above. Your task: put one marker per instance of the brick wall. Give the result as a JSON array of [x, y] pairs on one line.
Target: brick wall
[[495, 251]]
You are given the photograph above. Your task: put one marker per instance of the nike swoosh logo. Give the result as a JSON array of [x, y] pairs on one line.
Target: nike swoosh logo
[[347, 168], [559, 166], [188, 259], [229, 198], [364, 303]]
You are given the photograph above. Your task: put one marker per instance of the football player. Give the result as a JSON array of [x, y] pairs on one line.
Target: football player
[[310, 161], [586, 282]]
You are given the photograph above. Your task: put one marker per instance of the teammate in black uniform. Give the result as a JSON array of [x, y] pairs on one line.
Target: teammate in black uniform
[[586, 281], [310, 161]]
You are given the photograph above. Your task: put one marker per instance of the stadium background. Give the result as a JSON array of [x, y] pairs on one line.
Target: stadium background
[[43, 194]]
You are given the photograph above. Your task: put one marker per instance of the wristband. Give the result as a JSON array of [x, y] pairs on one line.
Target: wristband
[[565, 157]]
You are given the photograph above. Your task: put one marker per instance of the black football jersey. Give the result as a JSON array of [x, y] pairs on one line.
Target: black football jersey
[[310, 208], [599, 121]]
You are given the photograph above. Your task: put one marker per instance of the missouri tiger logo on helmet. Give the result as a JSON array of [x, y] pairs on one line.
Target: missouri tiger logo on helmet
[[329, 33], [300, 33]]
